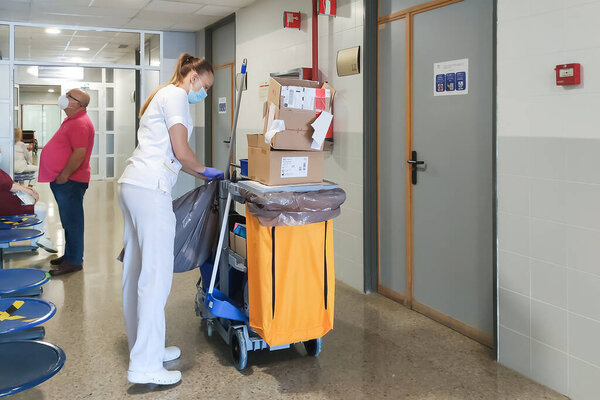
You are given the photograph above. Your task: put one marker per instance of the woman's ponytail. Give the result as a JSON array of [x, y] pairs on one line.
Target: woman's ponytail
[[185, 64]]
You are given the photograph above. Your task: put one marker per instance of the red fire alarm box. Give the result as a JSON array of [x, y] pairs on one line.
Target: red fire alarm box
[[568, 74], [327, 7], [291, 19]]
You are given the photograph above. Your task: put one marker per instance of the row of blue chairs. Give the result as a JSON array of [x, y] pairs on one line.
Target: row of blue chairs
[[25, 361]]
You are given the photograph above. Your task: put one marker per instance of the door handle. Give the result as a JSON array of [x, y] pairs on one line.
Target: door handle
[[414, 162], [227, 141]]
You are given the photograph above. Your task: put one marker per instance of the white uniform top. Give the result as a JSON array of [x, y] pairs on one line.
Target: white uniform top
[[153, 164]]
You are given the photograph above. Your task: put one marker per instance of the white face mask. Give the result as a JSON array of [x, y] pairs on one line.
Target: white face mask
[[63, 102]]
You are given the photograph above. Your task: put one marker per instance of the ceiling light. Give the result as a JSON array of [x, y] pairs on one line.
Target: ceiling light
[[83, 49], [53, 31], [50, 90]]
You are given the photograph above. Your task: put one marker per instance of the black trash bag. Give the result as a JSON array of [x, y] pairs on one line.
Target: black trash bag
[[196, 227]]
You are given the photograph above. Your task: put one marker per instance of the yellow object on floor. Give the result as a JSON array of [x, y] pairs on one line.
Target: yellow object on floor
[[291, 280]]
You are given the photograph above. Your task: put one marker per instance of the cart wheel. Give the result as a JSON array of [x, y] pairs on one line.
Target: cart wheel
[[314, 347], [209, 327], [238, 349]]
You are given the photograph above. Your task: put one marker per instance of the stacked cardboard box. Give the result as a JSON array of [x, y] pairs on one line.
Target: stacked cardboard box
[[290, 156]]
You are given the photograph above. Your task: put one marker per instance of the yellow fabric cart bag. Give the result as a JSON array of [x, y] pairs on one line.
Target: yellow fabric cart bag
[[291, 280]]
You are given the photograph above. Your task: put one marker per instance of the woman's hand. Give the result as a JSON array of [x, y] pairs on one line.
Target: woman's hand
[[35, 194], [30, 191], [211, 174]]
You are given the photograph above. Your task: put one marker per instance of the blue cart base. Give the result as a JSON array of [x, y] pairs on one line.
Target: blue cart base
[[241, 337]]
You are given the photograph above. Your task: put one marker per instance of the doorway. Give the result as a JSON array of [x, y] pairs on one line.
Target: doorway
[[220, 44], [435, 163]]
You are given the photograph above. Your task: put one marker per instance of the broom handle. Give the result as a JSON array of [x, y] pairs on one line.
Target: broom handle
[[235, 120], [224, 229]]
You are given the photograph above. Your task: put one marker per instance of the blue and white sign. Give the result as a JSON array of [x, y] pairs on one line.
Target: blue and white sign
[[440, 83], [450, 78], [222, 105], [461, 80]]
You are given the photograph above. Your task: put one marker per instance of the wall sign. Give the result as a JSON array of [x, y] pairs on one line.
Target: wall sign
[[292, 19], [222, 105], [327, 7], [450, 78]]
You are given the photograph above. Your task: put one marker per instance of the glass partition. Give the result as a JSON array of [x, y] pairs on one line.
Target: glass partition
[[48, 61], [152, 50], [4, 42]]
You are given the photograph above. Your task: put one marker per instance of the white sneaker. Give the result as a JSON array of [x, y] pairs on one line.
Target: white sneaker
[[47, 245], [171, 353], [160, 377]]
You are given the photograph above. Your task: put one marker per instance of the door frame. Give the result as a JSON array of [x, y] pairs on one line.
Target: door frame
[[371, 167], [231, 67], [208, 55]]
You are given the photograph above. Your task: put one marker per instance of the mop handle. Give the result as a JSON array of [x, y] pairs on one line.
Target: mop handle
[[227, 168], [224, 229]]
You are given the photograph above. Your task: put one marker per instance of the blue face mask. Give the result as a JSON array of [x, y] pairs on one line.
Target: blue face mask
[[196, 97]]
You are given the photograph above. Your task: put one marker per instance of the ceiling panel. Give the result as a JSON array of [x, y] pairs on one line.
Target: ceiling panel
[[220, 11], [54, 9], [229, 3], [172, 7], [180, 15], [33, 43]]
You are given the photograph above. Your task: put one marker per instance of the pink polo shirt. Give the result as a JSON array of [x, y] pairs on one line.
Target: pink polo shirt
[[76, 131]]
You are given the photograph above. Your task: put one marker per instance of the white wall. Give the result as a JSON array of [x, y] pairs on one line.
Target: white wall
[[549, 194], [269, 47]]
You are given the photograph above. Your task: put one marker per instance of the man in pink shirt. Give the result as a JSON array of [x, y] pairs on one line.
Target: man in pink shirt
[[65, 163]]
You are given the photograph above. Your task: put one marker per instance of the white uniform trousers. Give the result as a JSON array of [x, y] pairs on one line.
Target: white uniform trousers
[[149, 239]]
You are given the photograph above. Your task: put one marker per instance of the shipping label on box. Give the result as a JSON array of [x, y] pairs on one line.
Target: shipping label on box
[[305, 98], [294, 167]]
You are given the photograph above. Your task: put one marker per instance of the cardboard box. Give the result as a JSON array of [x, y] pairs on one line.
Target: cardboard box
[[232, 240], [240, 246], [237, 244], [277, 167], [298, 131]]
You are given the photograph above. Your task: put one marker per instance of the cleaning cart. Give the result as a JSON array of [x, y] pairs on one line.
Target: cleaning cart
[[281, 291]]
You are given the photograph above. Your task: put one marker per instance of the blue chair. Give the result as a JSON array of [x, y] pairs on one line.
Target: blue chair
[[27, 363], [8, 236], [21, 177], [20, 318], [19, 282], [18, 221]]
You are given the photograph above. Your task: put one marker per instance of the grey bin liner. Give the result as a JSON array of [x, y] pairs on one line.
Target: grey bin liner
[[294, 208], [196, 227]]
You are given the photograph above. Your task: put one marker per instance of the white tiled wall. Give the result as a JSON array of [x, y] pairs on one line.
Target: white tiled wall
[[549, 194], [269, 48]]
